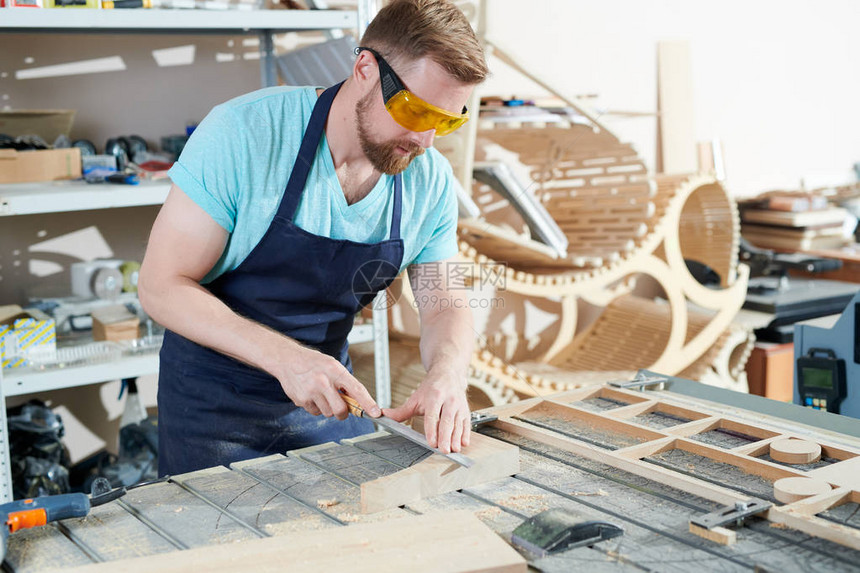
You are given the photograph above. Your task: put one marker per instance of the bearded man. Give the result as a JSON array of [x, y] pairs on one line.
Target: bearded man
[[290, 208]]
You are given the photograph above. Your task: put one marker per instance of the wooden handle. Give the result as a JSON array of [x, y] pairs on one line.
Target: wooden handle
[[354, 408]]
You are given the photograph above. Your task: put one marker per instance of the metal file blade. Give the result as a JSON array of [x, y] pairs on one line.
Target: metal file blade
[[419, 439]]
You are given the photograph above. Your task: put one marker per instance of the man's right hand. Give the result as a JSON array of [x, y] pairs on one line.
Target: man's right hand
[[314, 381]]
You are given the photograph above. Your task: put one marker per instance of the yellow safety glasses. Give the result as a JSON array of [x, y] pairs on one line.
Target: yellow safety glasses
[[408, 109]]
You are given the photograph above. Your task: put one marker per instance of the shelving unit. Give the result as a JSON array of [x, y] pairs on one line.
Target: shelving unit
[[57, 197], [63, 196], [17, 382], [263, 23], [174, 21]]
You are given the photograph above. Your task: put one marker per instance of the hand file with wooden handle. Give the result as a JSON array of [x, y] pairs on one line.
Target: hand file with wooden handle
[[407, 432]]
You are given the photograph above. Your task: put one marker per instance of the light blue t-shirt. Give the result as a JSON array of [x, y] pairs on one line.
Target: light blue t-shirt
[[237, 162]]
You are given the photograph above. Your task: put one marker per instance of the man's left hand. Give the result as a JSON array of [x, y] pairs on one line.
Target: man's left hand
[[441, 399]]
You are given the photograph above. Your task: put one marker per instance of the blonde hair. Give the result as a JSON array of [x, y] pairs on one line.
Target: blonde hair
[[407, 30]]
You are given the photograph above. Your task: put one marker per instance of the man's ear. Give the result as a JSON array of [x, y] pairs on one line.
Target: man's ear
[[365, 68]]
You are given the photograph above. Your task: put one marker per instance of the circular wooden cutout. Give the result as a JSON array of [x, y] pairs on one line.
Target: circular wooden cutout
[[791, 489], [795, 451]]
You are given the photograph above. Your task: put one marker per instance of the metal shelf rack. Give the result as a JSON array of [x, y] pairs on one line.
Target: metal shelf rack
[[39, 198]]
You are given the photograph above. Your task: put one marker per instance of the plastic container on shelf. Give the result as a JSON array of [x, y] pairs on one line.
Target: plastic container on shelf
[[81, 355], [145, 345]]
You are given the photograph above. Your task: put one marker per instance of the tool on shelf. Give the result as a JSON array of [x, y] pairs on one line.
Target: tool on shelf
[[406, 432]]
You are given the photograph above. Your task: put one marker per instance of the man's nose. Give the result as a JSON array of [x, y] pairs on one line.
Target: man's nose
[[425, 138]]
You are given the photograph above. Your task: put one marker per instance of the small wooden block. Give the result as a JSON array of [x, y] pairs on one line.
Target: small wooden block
[[791, 489], [114, 323], [795, 451], [720, 535], [493, 460]]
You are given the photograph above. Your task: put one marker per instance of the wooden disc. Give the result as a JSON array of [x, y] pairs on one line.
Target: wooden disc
[[795, 451], [791, 489]]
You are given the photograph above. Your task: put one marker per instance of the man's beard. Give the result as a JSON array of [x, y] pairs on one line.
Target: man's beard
[[383, 156]]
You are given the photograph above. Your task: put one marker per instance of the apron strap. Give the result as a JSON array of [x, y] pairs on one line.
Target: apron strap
[[394, 234], [305, 159], [307, 152]]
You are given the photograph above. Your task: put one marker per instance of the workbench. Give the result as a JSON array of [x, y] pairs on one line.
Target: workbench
[[647, 461]]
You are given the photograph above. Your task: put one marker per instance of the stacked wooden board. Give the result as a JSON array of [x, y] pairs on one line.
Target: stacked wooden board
[[792, 222], [645, 461]]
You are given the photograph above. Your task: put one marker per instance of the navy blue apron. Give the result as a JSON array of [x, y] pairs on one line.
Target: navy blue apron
[[214, 410]]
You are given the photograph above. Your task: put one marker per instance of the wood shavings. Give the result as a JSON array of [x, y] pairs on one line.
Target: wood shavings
[[324, 503], [488, 513], [532, 501], [598, 492]]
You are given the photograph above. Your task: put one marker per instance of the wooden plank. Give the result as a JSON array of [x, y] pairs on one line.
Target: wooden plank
[[693, 427], [42, 549], [436, 474], [677, 143], [347, 462], [395, 450], [719, 535], [825, 529], [183, 516], [113, 533], [447, 542], [253, 502], [314, 487], [505, 246]]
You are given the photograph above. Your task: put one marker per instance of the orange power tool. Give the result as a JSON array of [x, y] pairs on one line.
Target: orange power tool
[[37, 511]]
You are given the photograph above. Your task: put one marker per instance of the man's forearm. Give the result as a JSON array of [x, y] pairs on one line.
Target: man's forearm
[[447, 341], [187, 308]]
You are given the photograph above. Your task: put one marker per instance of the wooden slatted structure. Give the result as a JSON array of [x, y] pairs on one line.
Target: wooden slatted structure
[[595, 187]]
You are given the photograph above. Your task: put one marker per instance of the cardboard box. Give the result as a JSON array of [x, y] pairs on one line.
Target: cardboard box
[[26, 337], [46, 123], [42, 165], [115, 323]]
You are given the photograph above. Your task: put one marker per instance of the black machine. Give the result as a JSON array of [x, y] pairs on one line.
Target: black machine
[[793, 299], [821, 380], [827, 364]]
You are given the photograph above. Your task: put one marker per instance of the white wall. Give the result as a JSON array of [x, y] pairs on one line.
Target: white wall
[[776, 80]]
